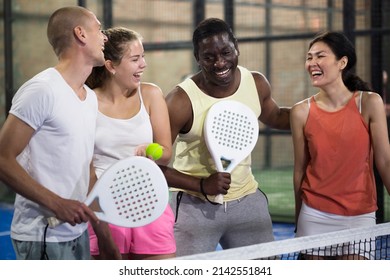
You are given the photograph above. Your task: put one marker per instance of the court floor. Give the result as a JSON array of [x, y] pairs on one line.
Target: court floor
[[281, 231], [6, 250]]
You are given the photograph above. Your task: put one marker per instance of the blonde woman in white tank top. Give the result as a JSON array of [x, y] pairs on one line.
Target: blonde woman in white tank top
[[132, 114]]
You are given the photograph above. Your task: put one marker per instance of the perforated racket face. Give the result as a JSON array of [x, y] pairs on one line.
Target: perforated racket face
[[135, 192], [231, 130]]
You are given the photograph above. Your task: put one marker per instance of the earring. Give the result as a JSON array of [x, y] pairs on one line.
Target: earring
[[113, 72]]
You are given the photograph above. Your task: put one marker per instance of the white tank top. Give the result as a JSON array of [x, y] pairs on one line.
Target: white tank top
[[117, 138]]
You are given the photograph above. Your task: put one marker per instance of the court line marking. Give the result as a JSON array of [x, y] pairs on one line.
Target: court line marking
[[5, 233]]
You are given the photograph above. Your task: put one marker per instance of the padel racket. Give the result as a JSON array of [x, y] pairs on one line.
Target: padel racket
[[231, 130], [133, 192]]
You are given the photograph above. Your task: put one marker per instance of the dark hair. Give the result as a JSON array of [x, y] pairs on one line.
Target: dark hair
[[210, 27], [114, 49], [341, 46]]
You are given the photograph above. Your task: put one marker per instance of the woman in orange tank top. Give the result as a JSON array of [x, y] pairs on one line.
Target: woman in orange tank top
[[336, 134]]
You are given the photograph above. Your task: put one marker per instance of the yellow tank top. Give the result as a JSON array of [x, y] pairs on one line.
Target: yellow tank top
[[191, 154]]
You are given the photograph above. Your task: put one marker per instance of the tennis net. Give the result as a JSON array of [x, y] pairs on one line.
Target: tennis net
[[370, 243]]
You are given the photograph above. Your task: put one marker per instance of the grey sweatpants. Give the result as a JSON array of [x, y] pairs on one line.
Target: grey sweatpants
[[200, 225], [77, 249]]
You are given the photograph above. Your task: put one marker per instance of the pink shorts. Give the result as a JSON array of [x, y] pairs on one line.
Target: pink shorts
[[155, 238]]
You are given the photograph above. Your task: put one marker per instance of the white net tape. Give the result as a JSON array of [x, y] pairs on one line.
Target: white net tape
[[371, 242]]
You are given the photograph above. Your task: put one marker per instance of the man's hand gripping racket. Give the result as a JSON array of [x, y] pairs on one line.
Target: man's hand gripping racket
[[231, 130], [133, 192]]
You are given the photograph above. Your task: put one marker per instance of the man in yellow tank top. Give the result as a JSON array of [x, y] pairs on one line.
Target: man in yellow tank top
[[243, 218]]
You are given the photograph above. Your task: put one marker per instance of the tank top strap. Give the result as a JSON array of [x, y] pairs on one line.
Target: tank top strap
[[140, 95], [360, 101], [310, 100]]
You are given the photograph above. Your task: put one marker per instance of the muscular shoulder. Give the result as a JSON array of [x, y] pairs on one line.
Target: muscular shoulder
[[178, 97], [260, 80], [180, 111], [258, 76], [262, 85]]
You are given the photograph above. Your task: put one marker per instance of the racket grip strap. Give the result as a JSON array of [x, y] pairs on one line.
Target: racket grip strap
[[217, 202], [219, 198], [53, 222]]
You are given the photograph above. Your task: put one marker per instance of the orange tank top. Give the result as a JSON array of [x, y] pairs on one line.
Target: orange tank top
[[339, 177]]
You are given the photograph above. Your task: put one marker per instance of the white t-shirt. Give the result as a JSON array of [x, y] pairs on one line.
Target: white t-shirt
[[58, 154]]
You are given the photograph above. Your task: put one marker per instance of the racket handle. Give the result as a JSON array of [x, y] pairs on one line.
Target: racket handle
[[218, 198], [53, 222]]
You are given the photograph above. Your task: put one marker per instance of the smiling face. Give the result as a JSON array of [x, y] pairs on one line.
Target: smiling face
[[217, 58], [323, 66], [132, 65], [97, 39]]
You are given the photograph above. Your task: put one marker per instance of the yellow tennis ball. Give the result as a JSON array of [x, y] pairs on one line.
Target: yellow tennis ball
[[154, 150]]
